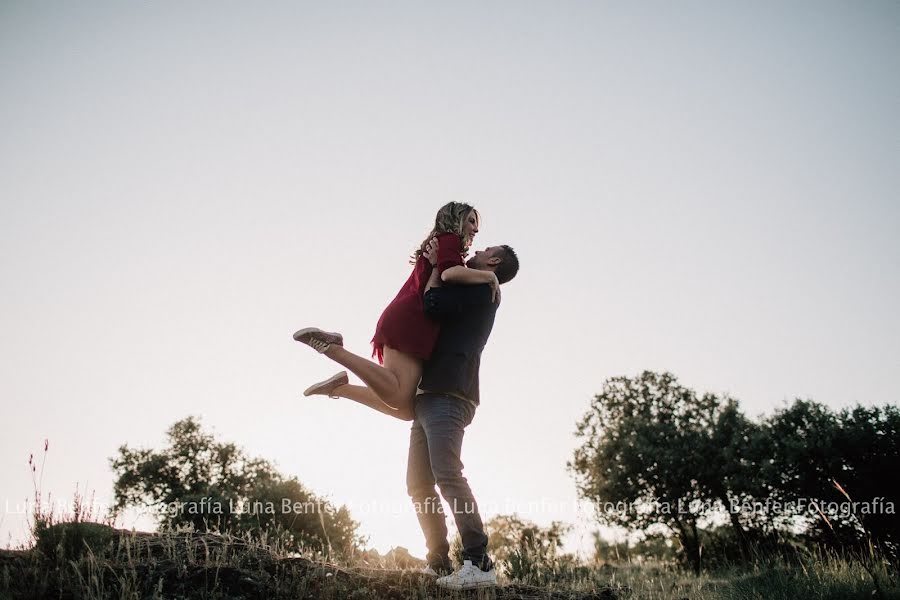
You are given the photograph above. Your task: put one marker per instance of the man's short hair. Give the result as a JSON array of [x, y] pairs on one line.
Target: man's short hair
[[508, 266]]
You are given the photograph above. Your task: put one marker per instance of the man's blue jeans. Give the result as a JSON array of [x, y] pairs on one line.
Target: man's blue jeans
[[435, 444]]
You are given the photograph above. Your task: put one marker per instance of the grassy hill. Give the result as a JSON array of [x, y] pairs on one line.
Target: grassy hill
[[91, 561]]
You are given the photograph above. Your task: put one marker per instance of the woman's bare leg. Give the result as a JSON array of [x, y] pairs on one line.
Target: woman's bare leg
[[367, 397], [391, 388]]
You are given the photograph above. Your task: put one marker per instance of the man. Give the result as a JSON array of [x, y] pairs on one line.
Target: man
[[447, 398]]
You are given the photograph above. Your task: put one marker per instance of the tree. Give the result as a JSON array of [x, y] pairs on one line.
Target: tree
[[869, 439], [213, 486], [821, 462], [799, 442], [731, 473], [649, 456]]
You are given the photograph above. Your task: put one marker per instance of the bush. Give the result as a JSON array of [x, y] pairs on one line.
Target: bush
[[205, 485]]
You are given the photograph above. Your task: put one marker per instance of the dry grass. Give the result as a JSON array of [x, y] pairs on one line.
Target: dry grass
[[94, 561]]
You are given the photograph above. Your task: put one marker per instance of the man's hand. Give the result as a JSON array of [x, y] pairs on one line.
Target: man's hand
[[495, 289], [431, 251]]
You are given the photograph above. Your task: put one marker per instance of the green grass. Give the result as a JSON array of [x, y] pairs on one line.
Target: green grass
[[823, 576]]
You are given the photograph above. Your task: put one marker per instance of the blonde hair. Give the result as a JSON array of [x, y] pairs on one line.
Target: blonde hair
[[451, 218]]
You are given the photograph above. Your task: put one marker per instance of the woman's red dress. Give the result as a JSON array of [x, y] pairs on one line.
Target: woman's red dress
[[403, 325]]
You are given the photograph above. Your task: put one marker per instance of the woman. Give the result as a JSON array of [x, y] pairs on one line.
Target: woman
[[404, 336]]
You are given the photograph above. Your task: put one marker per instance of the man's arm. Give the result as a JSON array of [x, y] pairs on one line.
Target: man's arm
[[452, 300], [466, 276]]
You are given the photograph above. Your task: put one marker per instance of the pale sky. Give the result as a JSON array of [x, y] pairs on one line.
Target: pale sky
[[707, 188]]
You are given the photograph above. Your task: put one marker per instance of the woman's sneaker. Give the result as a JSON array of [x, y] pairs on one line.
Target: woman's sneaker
[[468, 577], [325, 388], [318, 339]]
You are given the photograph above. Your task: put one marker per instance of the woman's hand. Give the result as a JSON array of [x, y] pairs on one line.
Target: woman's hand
[[431, 251]]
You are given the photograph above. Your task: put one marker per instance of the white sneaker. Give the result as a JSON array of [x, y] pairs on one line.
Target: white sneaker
[[468, 577]]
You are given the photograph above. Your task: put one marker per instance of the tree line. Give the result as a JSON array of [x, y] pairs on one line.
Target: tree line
[[659, 458], [654, 457]]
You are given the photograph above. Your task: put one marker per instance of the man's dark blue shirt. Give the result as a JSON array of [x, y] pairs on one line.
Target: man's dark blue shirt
[[466, 313]]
